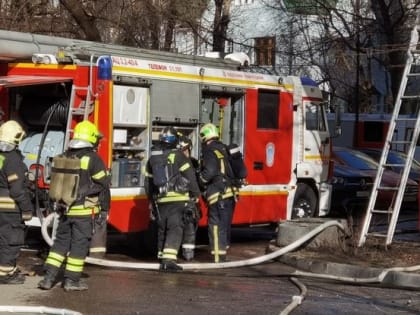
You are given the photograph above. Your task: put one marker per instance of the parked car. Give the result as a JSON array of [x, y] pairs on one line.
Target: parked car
[[395, 157], [352, 198], [351, 189]]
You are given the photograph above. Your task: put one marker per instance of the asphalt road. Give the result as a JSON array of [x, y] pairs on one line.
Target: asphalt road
[[261, 289]]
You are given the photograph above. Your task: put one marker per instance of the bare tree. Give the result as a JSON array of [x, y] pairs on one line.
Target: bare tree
[[352, 39], [140, 23], [84, 17], [220, 24]]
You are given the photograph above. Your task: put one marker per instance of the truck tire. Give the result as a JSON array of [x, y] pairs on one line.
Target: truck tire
[[305, 202]]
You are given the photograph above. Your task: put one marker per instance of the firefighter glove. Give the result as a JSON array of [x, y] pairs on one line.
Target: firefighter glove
[[188, 216], [102, 218], [190, 212], [26, 215]]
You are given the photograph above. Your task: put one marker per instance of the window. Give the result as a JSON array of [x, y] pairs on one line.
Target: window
[[315, 119], [214, 103], [242, 2], [264, 51], [373, 131], [268, 109]]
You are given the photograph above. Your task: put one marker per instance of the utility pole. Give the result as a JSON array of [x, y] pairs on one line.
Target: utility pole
[[357, 93], [290, 49]]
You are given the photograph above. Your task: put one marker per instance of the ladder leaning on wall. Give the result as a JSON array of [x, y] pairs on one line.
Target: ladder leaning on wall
[[406, 98]]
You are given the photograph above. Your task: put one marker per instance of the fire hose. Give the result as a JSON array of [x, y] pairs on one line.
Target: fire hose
[[37, 310], [199, 266]]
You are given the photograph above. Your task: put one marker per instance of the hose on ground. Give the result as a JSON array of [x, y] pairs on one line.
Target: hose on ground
[[36, 310], [296, 299], [246, 262], [371, 280], [230, 264], [193, 266]]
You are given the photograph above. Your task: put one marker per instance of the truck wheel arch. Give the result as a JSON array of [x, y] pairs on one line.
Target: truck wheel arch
[[305, 202]]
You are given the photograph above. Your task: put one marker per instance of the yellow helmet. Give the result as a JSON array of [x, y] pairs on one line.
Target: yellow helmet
[[86, 131], [11, 132], [208, 132]]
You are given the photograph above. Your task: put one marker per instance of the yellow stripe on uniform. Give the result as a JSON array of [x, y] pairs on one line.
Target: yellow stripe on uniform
[[84, 162], [54, 259], [99, 175], [12, 177], [216, 243], [75, 264]]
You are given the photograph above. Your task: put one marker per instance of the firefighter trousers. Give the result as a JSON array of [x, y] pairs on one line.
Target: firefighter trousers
[[72, 241], [98, 243], [219, 223], [170, 229], [188, 239], [12, 238]]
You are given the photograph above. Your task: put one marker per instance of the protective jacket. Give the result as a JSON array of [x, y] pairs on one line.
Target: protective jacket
[[14, 186], [216, 174], [178, 164], [94, 180]]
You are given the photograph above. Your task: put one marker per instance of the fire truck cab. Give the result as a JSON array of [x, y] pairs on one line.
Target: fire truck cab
[[50, 83]]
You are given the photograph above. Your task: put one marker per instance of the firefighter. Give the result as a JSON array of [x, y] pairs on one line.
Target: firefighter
[[192, 213], [170, 184], [75, 227], [216, 176], [15, 201]]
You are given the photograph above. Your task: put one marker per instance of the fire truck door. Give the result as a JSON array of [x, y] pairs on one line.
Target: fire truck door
[[268, 136], [316, 144]]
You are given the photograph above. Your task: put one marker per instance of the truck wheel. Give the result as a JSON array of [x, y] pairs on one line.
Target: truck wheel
[[305, 202]]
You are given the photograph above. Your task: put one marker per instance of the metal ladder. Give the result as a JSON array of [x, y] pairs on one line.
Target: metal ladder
[[404, 98], [84, 109]]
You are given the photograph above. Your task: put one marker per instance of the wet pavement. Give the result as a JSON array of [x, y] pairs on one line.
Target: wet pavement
[[261, 289]]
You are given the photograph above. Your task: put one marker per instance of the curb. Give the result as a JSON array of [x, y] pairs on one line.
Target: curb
[[391, 279]]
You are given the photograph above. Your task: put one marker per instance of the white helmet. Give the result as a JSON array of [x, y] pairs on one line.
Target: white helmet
[[11, 132]]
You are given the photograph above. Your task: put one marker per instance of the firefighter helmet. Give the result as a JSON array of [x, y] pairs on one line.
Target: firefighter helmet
[[168, 135], [185, 143], [11, 132], [209, 132], [85, 135]]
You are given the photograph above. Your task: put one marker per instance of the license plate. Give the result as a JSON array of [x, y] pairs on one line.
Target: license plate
[[362, 194]]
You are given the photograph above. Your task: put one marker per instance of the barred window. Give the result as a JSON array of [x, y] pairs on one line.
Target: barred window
[[265, 48]]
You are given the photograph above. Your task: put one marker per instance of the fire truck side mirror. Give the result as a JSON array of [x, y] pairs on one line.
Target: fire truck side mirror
[[337, 129]]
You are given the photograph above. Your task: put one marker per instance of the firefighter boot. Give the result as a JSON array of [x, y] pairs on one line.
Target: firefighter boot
[[222, 258], [48, 282], [14, 278], [74, 285], [168, 265], [188, 254]]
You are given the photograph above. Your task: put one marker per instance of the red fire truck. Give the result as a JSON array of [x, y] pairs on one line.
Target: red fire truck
[[50, 83]]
